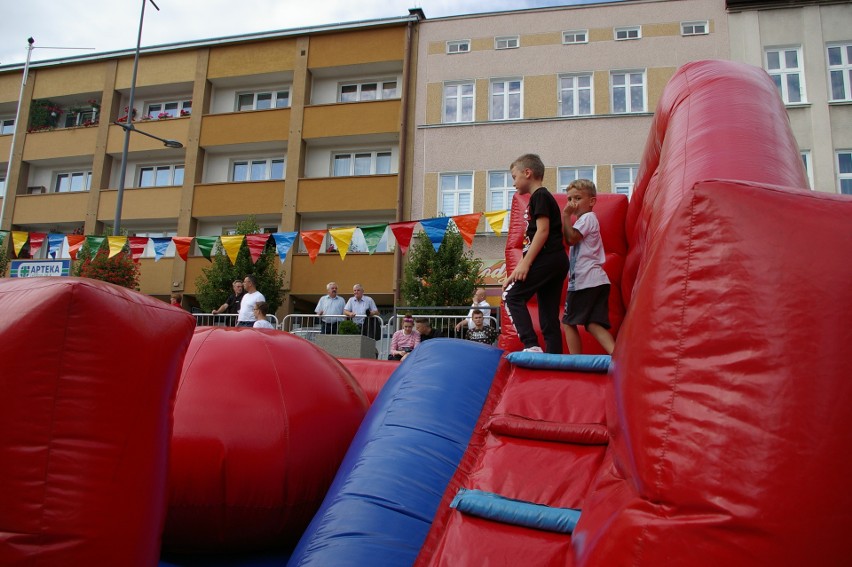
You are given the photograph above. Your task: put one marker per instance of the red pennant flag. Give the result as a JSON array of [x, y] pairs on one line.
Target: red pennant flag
[[467, 226], [137, 246], [402, 231], [313, 241], [256, 244], [36, 241], [182, 245], [75, 241]]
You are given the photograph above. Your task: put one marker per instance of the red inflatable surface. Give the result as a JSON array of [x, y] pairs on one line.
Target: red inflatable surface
[[85, 419], [370, 374]]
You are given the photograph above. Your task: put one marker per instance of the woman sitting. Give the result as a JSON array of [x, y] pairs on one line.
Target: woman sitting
[[404, 340]]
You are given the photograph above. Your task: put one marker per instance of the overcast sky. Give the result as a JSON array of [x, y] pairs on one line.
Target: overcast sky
[[109, 25]]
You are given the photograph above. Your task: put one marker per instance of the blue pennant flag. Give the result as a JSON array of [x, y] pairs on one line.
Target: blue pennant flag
[[54, 243], [435, 229], [283, 243], [161, 245]]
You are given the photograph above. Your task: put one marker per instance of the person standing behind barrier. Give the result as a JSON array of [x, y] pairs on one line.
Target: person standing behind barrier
[[587, 302], [481, 333], [480, 303], [261, 310], [232, 304], [424, 329], [405, 340], [330, 304], [361, 308], [246, 317], [541, 271]]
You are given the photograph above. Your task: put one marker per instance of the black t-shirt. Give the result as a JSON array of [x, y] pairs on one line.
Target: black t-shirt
[[234, 303], [542, 203]]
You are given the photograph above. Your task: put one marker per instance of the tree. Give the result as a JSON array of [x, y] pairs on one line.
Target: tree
[[4, 256], [119, 270], [213, 286], [446, 277]]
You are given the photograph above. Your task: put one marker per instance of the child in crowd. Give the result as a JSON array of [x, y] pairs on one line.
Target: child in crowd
[[542, 270], [587, 302], [404, 340], [260, 311], [481, 333]]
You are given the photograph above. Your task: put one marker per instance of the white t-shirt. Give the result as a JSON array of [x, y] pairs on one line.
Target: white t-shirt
[[483, 306], [247, 306], [263, 324], [587, 256]]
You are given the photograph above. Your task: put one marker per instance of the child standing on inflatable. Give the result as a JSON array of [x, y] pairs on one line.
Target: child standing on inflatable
[[587, 301], [542, 269]]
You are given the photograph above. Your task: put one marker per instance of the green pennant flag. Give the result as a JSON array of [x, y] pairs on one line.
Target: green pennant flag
[[205, 244], [373, 234], [94, 243]]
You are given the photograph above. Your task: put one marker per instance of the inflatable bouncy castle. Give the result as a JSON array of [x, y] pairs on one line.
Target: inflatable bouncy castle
[[715, 434]]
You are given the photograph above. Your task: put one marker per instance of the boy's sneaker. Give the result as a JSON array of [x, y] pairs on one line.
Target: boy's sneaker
[[533, 349]]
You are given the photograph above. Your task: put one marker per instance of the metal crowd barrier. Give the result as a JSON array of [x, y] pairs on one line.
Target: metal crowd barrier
[[225, 320]]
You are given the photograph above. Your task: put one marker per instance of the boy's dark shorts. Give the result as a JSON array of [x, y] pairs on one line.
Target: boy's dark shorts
[[585, 306]]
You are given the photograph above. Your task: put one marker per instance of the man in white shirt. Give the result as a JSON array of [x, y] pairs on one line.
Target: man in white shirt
[[361, 308], [478, 303], [331, 304], [246, 317]]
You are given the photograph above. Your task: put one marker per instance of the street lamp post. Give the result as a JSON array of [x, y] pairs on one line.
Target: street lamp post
[[30, 42]]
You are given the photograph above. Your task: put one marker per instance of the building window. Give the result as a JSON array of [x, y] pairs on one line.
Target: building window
[[257, 169], [806, 161], [630, 32], [169, 109], [73, 181], [361, 163], [500, 192], [624, 176], [7, 126], [263, 100], [458, 46], [575, 95], [2, 185], [456, 194], [161, 176], [783, 67], [844, 171], [506, 99], [569, 174], [694, 28], [628, 91], [458, 102], [839, 71], [509, 42], [575, 36], [374, 90]]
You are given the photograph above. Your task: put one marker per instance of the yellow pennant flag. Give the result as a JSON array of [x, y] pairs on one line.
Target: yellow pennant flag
[[495, 220], [116, 243], [19, 238], [232, 244], [342, 239]]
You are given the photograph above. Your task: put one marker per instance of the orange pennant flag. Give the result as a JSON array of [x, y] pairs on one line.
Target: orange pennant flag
[[232, 244], [182, 246], [75, 241], [467, 226], [313, 242], [19, 238], [256, 244], [116, 244]]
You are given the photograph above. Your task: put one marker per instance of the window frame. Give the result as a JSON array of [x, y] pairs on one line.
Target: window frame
[[3, 184], [627, 86], [460, 99], [380, 89], [567, 33], [693, 24], [507, 191], [506, 96], [627, 30], [7, 123], [507, 39], [843, 176], [250, 162], [577, 169], [844, 68], [374, 162], [183, 108], [576, 90], [87, 180], [455, 192], [807, 162], [783, 72], [457, 44], [273, 94], [633, 171], [172, 167]]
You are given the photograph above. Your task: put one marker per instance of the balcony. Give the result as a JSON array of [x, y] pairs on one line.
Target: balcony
[[351, 119], [245, 127], [169, 129], [5, 147], [141, 203], [62, 143], [363, 193], [238, 199], [155, 278], [373, 271], [51, 208]]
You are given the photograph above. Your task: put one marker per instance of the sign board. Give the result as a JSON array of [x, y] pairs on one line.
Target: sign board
[[37, 268], [493, 272]]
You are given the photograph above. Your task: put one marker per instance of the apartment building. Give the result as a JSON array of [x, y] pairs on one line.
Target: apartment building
[[806, 47], [302, 129]]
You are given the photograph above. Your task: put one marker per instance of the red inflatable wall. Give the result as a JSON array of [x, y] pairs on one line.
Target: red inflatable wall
[[87, 380]]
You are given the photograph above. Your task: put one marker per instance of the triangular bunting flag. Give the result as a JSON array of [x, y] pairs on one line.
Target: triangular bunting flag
[[402, 232], [256, 244], [75, 242], [205, 244], [435, 229], [283, 243], [54, 243], [232, 244], [467, 226], [373, 235], [94, 243], [313, 241], [137, 246], [342, 239], [182, 244], [19, 238], [161, 246], [116, 244], [495, 220], [36, 242]]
